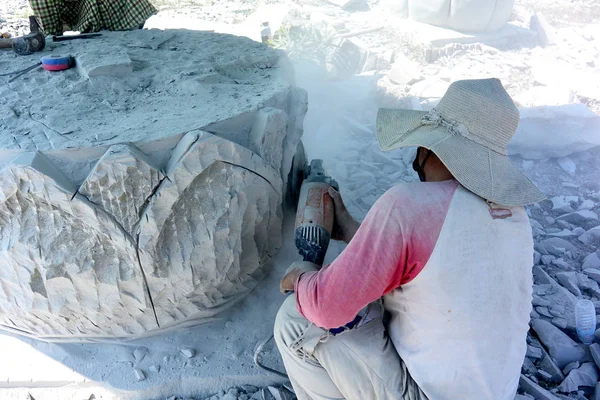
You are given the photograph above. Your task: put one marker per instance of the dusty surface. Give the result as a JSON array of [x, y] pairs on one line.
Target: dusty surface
[[143, 188]]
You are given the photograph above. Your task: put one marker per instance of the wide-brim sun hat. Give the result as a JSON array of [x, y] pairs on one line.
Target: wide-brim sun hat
[[469, 131]]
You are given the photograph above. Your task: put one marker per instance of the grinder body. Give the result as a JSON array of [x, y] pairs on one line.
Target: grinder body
[[315, 215]]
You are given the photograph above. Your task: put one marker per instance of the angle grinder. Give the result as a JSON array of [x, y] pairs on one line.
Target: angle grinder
[[314, 220], [316, 213]]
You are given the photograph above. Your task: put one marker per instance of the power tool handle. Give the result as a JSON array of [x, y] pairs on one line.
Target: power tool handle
[[6, 43]]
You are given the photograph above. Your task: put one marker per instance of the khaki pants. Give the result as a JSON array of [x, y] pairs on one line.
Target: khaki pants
[[360, 363]]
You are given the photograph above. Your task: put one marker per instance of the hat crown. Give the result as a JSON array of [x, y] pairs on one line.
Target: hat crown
[[485, 108]]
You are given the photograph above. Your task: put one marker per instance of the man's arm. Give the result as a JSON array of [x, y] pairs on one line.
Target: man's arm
[[345, 226], [369, 267]]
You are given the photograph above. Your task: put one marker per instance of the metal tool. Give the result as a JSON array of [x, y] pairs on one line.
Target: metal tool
[[314, 220], [73, 37], [24, 45], [49, 63], [315, 215]]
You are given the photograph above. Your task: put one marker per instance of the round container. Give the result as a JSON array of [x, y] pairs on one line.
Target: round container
[[56, 63], [585, 320]]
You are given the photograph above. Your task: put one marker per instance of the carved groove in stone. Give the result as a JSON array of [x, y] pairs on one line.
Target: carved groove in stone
[[209, 231], [121, 183], [66, 269]]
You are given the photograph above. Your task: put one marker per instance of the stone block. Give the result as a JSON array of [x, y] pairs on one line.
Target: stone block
[[463, 16], [561, 347], [545, 32], [534, 352], [570, 367], [586, 375], [595, 351], [579, 217], [111, 61], [591, 236], [563, 204], [348, 4], [569, 281], [404, 71], [532, 388], [347, 57], [554, 246], [122, 182], [265, 137], [592, 266], [548, 365], [217, 195], [68, 268], [427, 39], [587, 205], [541, 131], [596, 394], [119, 162]]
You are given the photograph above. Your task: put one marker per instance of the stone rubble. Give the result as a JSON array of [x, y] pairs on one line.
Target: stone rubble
[[560, 346], [140, 353], [595, 351], [139, 374], [586, 375], [188, 353]]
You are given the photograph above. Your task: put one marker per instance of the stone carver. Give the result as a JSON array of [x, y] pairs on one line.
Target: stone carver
[[436, 282]]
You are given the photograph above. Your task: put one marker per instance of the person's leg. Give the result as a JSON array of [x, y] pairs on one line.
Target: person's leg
[[292, 332], [361, 363]]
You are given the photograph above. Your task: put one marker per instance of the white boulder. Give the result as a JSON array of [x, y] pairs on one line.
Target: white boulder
[[591, 236], [558, 131], [563, 204], [592, 266], [460, 15]]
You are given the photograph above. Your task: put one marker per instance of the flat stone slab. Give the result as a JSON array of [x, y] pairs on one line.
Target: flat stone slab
[[437, 37], [110, 61]]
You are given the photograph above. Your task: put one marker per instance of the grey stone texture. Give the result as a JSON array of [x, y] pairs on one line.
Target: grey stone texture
[[532, 388], [561, 347], [124, 218], [586, 375]]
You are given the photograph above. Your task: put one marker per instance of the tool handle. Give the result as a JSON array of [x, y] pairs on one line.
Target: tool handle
[[73, 37], [23, 72]]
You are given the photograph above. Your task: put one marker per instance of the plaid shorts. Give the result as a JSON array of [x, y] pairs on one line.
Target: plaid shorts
[[91, 15]]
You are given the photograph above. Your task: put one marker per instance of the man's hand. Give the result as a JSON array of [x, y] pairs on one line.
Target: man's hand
[[288, 282], [344, 226]]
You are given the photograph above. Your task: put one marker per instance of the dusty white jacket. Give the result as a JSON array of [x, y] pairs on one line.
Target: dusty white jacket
[[460, 325]]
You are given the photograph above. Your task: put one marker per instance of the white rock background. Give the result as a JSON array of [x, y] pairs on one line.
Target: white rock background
[[552, 74]]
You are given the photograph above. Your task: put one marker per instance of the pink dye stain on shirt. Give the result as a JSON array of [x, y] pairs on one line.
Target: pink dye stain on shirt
[[390, 248]]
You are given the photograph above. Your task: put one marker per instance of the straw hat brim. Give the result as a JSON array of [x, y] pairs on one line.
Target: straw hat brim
[[481, 170]]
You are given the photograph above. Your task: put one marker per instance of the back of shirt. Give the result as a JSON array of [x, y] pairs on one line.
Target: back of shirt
[[460, 325]]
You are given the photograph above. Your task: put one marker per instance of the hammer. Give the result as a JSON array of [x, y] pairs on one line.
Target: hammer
[[24, 45]]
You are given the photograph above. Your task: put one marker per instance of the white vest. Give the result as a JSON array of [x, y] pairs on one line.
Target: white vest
[[460, 326]]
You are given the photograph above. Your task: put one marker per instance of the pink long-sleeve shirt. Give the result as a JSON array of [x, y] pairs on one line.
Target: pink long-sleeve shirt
[[390, 249]]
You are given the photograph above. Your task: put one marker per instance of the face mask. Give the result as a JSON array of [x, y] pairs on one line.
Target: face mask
[[420, 169]]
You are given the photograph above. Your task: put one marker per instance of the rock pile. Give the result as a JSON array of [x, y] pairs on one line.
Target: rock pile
[[557, 364]]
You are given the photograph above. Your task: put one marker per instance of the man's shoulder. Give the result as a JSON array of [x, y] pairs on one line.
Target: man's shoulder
[[422, 193]]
